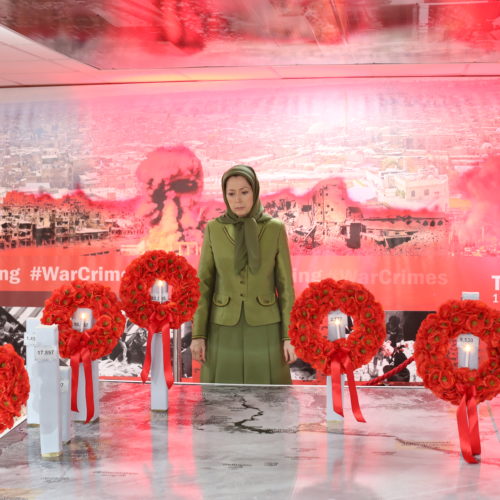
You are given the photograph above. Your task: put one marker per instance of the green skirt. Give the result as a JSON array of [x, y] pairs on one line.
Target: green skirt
[[244, 354]]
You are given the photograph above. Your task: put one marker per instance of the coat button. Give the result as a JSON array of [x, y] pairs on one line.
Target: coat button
[[242, 295], [242, 282]]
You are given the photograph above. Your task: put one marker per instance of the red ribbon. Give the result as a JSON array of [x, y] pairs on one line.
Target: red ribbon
[[341, 361], [162, 327], [82, 356], [468, 425]]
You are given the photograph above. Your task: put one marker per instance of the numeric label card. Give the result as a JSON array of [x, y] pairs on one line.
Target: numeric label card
[[46, 353]]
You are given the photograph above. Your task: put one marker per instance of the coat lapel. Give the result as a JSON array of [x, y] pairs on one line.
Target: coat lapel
[[228, 234]]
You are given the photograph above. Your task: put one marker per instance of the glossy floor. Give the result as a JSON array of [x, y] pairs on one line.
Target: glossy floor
[[227, 442]]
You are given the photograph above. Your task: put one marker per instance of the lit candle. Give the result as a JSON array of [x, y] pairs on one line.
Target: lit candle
[[467, 349], [337, 324], [82, 319]]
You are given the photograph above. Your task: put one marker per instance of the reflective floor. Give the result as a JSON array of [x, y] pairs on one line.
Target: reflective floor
[[226, 442]]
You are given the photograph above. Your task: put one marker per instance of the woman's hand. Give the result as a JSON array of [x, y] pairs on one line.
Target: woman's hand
[[289, 352], [198, 347]]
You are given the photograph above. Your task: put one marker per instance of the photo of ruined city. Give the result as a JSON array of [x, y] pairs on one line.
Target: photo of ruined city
[[367, 170]]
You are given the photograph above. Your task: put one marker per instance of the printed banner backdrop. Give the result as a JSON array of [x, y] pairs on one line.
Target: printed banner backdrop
[[393, 184]]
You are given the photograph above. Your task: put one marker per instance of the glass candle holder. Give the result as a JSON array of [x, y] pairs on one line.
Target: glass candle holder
[[337, 321], [82, 319], [468, 351], [159, 291]]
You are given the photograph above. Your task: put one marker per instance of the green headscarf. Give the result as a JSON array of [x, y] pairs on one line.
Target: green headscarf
[[247, 248]]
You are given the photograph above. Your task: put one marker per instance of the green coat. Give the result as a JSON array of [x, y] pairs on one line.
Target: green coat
[[266, 297]]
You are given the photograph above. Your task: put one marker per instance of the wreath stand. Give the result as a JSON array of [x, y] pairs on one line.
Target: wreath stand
[[146, 298], [336, 355], [467, 321], [90, 323]]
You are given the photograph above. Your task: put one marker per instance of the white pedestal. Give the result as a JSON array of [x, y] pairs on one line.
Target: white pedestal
[[81, 414], [467, 343], [337, 322], [66, 432], [331, 415], [47, 366], [159, 389], [32, 413]]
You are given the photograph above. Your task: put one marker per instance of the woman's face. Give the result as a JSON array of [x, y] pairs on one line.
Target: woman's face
[[239, 195]]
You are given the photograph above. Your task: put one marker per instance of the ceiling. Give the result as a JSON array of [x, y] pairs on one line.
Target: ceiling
[[66, 42]]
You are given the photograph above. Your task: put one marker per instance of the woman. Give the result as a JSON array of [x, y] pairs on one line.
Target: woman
[[240, 329]]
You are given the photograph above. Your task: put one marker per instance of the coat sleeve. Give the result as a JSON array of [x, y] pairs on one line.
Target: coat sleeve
[[284, 282], [206, 273]]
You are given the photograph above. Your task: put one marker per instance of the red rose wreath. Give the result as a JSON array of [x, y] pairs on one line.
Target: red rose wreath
[[91, 344], [460, 386], [342, 355], [14, 386], [135, 292]]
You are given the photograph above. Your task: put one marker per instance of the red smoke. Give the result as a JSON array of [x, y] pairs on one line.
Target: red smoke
[[177, 167], [481, 186]]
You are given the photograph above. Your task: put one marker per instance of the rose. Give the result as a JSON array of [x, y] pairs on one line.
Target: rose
[[151, 265], [492, 382], [473, 324], [448, 309], [369, 340], [360, 353], [465, 376], [458, 318], [6, 419], [446, 379]]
